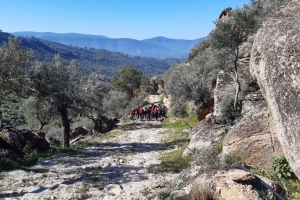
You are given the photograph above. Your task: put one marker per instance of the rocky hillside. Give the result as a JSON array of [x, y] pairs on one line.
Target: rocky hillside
[[261, 132], [275, 63]]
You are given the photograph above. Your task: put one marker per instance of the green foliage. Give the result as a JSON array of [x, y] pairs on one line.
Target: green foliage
[[233, 159], [58, 85], [95, 60], [164, 194], [31, 159], [10, 108], [233, 31], [38, 112], [196, 50], [178, 109], [129, 81], [173, 162], [8, 165], [207, 156], [115, 103], [150, 85], [281, 167], [14, 63], [219, 146]]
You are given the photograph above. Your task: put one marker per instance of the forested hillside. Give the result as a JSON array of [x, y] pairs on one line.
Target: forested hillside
[[158, 47], [93, 60]]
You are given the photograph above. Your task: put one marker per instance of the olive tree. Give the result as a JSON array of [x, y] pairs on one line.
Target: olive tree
[[58, 85], [115, 103], [38, 112], [229, 34], [14, 65], [92, 93]]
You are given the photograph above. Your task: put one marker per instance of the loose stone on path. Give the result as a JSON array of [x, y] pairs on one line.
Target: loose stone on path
[[118, 168]]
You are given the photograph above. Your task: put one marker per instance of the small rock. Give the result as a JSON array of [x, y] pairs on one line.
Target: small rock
[[114, 189], [240, 176]]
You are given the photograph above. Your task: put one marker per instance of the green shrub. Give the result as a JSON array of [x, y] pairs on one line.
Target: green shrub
[[179, 109], [233, 160], [8, 165], [219, 146], [173, 162], [281, 167], [208, 156]]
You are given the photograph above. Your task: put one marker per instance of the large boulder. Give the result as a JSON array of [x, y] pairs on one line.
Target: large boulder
[[22, 141], [275, 62], [254, 138], [229, 185], [79, 131], [204, 136], [225, 88]]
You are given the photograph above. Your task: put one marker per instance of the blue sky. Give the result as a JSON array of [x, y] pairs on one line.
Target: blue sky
[[137, 19]]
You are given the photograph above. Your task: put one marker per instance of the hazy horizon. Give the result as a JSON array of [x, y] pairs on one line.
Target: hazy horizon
[[114, 18]]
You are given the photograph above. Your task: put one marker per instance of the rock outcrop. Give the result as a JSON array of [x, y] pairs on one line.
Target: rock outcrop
[[204, 136], [234, 184], [16, 143], [79, 131], [275, 63], [253, 137], [225, 88], [225, 13]]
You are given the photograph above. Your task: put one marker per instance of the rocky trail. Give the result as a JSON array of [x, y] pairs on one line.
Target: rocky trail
[[121, 167]]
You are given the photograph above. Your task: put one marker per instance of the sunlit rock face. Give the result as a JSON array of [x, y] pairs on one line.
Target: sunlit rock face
[[275, 62]]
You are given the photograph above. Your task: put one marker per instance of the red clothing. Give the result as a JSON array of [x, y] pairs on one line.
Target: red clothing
[[132, 112]]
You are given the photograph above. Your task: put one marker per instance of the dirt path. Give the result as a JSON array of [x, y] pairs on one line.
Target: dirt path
[[122, 167]]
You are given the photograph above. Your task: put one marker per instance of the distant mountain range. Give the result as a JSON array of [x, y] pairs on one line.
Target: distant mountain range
[[92, 60], [157, 47]]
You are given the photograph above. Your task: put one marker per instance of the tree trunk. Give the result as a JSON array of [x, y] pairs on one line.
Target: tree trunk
[[66, 126], [237, 90], [236, 80]]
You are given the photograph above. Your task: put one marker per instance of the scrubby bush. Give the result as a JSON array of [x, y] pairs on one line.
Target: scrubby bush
[[201, 192], [208, 156], [179, 109], [232, 160], [281, 167]]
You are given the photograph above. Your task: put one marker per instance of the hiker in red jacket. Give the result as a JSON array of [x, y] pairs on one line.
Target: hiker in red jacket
[[132, 114], [141, 111]]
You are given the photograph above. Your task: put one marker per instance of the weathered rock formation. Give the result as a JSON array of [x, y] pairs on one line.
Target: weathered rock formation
[[204, 136], [16, 143], [275, 63], [225, 13], [79, 131], [205, 109], [253, 137], [234, 184], [225, 88]]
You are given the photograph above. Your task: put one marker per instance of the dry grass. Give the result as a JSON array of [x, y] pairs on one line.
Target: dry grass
[[201, 192]]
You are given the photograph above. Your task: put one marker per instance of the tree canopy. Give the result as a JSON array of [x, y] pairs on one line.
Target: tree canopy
[[129, 81]]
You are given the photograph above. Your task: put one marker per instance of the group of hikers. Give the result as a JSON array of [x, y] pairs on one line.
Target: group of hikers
[[147, 113]]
